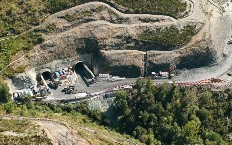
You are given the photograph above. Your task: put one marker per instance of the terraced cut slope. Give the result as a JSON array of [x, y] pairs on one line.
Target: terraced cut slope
[[20, 17], [97, 27]]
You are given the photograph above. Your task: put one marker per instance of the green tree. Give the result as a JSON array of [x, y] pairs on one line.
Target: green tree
[[5, 95], [10, 107], [169, 114], [191, 133], [213, 138]]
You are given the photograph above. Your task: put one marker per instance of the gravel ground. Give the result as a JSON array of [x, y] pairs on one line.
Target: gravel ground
[[221, 33]]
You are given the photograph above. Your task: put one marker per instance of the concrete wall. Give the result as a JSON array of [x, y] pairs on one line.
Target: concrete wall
[[102, 101]]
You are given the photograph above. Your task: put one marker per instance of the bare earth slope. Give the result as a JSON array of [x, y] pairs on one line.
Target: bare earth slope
[[220, 31], [61, 134], [105, 28], [100, 29]]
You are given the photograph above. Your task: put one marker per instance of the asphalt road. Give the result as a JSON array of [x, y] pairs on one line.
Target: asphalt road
[[100, 85]]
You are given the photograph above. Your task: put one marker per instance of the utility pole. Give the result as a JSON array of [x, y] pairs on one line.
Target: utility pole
[[146, 64]]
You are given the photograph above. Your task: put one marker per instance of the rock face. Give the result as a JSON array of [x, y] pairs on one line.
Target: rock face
[[110, 38]]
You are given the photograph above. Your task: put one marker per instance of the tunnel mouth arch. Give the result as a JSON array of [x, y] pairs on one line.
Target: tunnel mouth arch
[[47, 75], [82, 67], [84, 72], [78, 67]]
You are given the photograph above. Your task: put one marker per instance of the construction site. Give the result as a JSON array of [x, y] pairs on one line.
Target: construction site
[[78, 83], [86, 72], [79, 60]]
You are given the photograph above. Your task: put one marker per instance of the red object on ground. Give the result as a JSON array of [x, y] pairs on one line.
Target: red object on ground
[[63, 76]]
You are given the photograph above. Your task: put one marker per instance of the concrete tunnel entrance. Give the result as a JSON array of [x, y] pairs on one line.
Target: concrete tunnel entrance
[[47, 75], [85, 73], [47, 78]]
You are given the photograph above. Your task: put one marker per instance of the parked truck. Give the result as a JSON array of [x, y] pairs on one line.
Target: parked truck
[[162, 75]]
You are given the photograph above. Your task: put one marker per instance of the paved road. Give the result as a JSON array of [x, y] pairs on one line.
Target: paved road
[[99, 86]]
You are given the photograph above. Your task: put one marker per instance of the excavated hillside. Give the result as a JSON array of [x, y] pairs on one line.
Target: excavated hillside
[[122, 42]]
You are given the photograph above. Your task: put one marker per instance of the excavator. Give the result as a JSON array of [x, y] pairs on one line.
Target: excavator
[[229, 73]]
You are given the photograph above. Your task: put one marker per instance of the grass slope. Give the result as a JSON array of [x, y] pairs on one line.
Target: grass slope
[[70, 115], [168, 38], [21, 132], [172, 8]]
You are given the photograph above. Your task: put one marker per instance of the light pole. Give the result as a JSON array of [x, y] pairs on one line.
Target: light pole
[[146, 64]]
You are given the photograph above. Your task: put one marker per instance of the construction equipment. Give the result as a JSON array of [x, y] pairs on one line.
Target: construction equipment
[[69, 90], [162, 75], [229, 42], [214, 80], [229, 73]]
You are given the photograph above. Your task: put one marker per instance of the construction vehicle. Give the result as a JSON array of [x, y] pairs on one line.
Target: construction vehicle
[[229, 73], [69, 90], [229, 42], [214, 80], [162, 75]]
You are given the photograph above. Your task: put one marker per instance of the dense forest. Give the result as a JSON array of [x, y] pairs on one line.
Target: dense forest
[[169, 114]]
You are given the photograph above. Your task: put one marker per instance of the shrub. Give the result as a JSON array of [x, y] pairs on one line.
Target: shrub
[[173, 8], [10, 107], [5, 96], [168, 38]]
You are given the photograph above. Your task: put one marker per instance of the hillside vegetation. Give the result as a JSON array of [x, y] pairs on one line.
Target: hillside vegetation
[[173, 115], [168, 38], [9, 47], [21, 132], [172, 8], [17, 16]]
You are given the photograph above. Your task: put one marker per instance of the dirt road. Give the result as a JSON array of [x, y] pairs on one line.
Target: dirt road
[[219, 27]]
